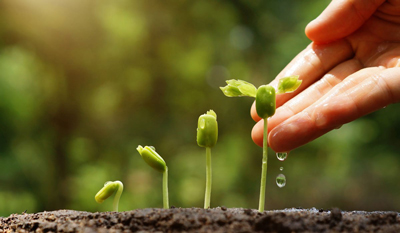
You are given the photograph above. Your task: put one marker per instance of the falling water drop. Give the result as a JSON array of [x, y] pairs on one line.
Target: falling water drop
[[282, 156], [281, 168], [281, 180]]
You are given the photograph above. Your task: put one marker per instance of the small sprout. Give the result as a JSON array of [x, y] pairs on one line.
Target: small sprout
[[109, 189], [207, 136], [265, 107], [152, 158], [288, 84]]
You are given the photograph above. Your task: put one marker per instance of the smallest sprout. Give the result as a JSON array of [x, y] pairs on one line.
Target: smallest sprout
[[110, 187]]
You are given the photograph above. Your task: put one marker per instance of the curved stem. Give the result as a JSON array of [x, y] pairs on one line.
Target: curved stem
[[207, 197], [165, 189], [117, 195], [264, 167]]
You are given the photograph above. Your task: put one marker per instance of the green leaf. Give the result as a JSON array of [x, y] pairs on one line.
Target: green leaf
[[238, 88], [288, 84]]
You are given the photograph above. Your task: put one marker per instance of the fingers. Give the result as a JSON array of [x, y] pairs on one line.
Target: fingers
[[307, 97], [311, 64], [340, 19], [364, 93]]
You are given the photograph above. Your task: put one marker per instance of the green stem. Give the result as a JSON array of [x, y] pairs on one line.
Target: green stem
[[264, 167], [117, 195], [165, 189], [208, 179]]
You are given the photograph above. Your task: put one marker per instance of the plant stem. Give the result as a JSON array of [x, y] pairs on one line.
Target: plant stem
[[208, 178], [165, 189], [117, 195], [264, 167]]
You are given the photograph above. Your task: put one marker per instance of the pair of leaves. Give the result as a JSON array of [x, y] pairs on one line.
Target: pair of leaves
[[238, 88], [265, 94]]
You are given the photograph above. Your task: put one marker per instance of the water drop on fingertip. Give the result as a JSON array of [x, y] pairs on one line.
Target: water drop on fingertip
[[282, 156], [281, 180]]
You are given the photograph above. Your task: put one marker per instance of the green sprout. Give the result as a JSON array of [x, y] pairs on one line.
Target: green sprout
[[265, 107], [207, 136], [152, 158], [110, 187]]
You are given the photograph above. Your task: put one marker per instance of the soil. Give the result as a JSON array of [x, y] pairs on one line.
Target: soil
[[219, 219]]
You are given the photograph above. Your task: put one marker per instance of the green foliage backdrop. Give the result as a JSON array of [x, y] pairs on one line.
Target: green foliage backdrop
[[82, 83]]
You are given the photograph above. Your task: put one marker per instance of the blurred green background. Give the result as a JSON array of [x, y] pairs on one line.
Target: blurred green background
[[83, 83]]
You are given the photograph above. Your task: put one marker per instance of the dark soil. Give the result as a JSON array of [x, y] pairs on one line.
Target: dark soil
[[199, 220]]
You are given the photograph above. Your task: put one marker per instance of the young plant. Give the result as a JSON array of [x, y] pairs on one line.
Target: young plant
[[152, 158], [265, 107], [110, 187], [207, 136]]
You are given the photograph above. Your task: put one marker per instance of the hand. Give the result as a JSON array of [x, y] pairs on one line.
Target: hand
[[351, 68]]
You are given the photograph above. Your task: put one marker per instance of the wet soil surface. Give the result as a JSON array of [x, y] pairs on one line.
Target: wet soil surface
[[199, 220]]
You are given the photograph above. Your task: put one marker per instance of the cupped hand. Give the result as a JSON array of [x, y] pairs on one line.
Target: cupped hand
[[351, 68]]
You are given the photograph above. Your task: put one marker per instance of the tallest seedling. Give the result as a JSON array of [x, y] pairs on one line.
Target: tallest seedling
[[265, 106]]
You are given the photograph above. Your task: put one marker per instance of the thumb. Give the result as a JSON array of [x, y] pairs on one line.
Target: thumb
[[340, 19]]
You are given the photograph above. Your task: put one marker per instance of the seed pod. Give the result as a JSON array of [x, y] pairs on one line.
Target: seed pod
[[152, 158], [265, 101], [109, 189], [207, 129]]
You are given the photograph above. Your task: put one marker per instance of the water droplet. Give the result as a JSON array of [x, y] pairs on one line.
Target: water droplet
[[282, 156], [106, 183], [281, 180], [153, 148], [281, 168]]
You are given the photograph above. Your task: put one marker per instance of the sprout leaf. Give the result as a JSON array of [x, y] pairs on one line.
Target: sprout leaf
[[288, 84], [238, 88]]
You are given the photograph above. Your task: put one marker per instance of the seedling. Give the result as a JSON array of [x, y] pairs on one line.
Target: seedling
[[207, 136], [265, 107], [152, 158], [110, 187]]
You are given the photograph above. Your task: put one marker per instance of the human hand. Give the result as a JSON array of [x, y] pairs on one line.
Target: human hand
[[351, 68]]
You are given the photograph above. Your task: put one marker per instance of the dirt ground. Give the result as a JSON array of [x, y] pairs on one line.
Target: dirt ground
[[200, 220]]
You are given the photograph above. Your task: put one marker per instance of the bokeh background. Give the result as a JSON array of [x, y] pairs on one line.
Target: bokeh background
[[83, 83]]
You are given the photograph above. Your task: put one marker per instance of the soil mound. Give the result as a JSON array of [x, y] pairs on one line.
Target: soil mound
[[200, 220]]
